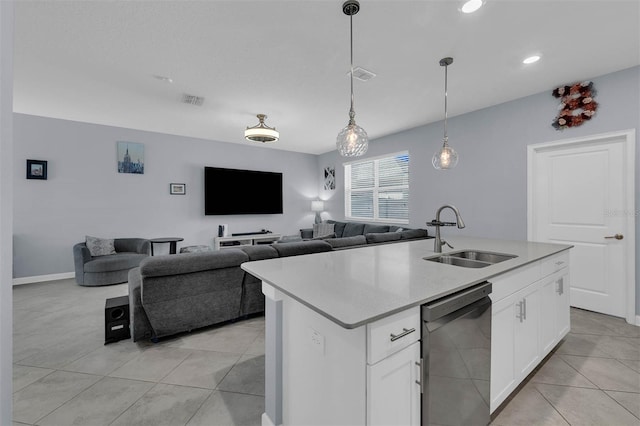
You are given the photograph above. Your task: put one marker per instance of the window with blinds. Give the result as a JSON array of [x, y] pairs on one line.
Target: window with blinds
[[378, 189]]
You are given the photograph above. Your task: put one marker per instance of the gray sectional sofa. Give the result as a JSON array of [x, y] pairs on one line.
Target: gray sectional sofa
[[181, 292], [354, 234]]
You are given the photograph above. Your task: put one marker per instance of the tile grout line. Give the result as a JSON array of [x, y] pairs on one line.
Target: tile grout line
[[70, 399], [553, 406]]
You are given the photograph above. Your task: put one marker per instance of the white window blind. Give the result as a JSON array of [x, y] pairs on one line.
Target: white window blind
[[378, 189]]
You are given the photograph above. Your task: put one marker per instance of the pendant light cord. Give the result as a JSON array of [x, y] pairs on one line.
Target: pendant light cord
[[445, 104], [352, 113]]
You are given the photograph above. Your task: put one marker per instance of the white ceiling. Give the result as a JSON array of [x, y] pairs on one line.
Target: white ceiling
[[94, 61]]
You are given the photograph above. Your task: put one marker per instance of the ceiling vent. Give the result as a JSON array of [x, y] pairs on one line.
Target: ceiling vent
[[192, 99], [362, 74]]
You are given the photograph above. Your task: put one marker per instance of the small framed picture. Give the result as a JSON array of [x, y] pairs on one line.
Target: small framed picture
[[37, 169], [177, 188]]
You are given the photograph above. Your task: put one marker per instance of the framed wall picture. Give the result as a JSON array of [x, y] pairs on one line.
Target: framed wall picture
[[37, 169], [130, 157], [177, 188], [329, 178]]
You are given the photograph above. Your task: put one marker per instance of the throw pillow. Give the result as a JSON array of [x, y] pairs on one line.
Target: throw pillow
[[322, 229], [100, 246]]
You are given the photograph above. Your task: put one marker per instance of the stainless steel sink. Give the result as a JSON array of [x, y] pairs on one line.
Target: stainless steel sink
[[483, 256], [470, 258]]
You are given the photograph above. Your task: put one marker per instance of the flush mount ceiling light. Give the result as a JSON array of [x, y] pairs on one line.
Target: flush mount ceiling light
[[445, 158], [531, 59], [471, 6], [261, 132], [352, 141]]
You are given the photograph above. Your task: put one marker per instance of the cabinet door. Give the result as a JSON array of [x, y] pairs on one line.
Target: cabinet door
[[393, 396], [554, 319], [549, 312], [526, 312], [502, 351]]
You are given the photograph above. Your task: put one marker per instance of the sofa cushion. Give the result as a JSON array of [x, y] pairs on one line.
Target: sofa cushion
[[356, 240], [375, 229], [325, 237], [353, 229], [413, 233], [302, 247], [338, 228], [260, 252], [114, 262], [382, 237], [100, 246], [195, 249], [394, 228], [322, 229], [184, 263]]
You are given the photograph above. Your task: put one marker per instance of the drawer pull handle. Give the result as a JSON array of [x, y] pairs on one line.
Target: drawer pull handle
[[559, 263], [405, 331], [560, 289], [419, 382]]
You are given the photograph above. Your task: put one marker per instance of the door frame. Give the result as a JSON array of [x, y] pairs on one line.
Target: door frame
[[629, 207]]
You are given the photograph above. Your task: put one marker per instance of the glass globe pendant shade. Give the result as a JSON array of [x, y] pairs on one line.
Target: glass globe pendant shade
[[445, 158], [352, 141]]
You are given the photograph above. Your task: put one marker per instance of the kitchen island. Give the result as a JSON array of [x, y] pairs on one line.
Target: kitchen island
[[329, 315]]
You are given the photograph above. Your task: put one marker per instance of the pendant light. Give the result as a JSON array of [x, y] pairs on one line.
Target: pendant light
[[261, 132], [352, 141], [445, 158]]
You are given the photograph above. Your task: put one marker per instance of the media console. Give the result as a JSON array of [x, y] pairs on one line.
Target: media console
[[221, 243]]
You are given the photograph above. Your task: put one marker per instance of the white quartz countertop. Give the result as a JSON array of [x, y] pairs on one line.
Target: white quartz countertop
[[356, 286]]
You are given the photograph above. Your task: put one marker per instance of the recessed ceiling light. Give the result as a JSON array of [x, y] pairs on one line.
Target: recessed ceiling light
[[163, 78], [531, 59], [471, 6]]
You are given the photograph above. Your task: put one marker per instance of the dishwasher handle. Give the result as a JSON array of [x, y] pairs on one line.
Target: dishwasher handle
[[448, 304]]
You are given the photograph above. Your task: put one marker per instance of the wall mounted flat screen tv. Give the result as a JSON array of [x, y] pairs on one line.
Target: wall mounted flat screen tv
[[233, 191]]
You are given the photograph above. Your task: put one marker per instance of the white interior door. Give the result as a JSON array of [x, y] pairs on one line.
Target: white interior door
[[581, 192]]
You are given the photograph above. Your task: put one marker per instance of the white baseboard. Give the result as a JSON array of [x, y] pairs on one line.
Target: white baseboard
[[266, 420], [638, 320], [43, 278]]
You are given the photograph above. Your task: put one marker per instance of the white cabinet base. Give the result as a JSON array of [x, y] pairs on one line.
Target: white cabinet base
[[530, 315]]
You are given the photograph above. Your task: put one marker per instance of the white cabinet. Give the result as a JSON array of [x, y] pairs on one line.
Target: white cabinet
[[554, 323], [393, 370], [530, 315], [514, 341], [221, 243], [393, 396], [526, 314]]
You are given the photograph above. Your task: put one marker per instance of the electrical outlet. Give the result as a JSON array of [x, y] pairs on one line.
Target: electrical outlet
[[317, 340]]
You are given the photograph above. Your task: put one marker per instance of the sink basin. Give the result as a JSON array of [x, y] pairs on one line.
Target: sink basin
[[470, 258], [483, 256]]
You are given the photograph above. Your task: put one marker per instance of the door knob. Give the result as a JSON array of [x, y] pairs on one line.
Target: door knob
[[617, 236]]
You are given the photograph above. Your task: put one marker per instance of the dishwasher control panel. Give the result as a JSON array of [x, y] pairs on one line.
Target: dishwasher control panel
[[451, 303]]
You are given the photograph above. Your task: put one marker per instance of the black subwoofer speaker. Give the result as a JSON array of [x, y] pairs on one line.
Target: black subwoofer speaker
[[116, 319]]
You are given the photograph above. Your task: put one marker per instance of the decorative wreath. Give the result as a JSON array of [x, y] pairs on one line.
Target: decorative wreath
[[577, 104]]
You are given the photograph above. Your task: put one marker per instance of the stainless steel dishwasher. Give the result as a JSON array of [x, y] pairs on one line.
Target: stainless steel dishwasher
[[456, 356]]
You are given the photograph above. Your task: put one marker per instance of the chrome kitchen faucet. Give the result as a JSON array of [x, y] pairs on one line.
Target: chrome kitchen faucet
[[438, 242]]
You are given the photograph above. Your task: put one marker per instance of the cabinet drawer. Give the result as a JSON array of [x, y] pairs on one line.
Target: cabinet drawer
[[555, 263], [391, 334]]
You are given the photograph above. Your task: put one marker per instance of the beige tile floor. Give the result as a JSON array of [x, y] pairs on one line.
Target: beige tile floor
[[65, 375]]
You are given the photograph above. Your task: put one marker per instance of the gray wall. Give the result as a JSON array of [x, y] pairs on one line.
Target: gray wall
[[6, 214], [85, 195], [489, 185]]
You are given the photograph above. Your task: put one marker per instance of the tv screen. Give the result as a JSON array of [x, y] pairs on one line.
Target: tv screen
[[233, 191]]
